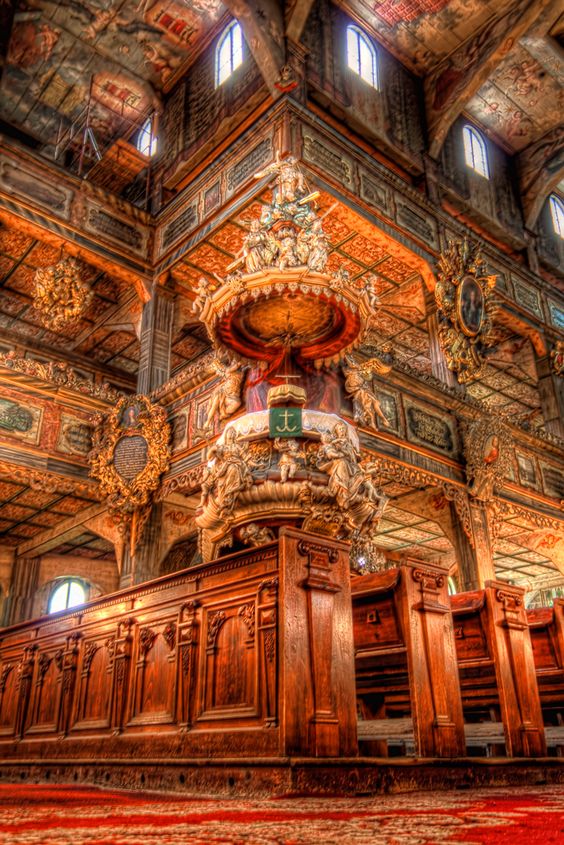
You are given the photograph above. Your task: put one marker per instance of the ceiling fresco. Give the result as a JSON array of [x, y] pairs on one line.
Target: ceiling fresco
[[119, 51], [422, 32], [524, 96]]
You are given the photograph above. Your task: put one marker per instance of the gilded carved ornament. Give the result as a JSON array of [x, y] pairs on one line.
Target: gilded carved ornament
[[61, 295], [46, 482], [129, 455], [487, 450], [464, 294], [59, 373]]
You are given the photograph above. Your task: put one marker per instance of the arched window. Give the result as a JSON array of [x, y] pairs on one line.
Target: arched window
[[475, 152], [146, 141], [557, 214], [361, 56], [229, 53], [68, 593]]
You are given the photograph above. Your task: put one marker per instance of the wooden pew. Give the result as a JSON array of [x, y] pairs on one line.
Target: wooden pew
[[405, 660], [546, 627], [497, 671]]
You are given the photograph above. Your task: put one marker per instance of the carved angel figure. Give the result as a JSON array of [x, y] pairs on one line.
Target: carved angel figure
[[202, 293], [358, 384], [370, 294], [226, 398]]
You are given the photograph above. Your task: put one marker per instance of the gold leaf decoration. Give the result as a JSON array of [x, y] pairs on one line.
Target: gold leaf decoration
[[464, 294], [61, 294], [130, 453]]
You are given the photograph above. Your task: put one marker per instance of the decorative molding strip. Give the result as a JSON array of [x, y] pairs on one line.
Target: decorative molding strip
[[60, 374], [47, 482]]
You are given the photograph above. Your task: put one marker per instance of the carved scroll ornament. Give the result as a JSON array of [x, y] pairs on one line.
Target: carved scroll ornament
[[465, 298]]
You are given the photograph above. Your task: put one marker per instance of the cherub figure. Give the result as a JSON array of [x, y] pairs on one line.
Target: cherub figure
[[372, 298], [256, 535], [290, 455]]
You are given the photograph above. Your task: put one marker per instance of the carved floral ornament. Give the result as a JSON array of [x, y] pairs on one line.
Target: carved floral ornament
[[467, 306], [61, 295], [129, 455]]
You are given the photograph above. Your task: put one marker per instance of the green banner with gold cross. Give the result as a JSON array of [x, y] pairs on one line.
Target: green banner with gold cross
[[285, 422]]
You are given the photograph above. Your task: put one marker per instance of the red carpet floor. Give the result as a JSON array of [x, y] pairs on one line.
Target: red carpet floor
[[67, 815]]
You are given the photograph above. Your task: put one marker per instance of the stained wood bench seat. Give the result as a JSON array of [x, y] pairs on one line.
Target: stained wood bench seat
[[400, 731]]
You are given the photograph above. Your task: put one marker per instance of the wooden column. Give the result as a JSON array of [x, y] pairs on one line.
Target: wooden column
[[474, 556], [436, 705], [156, 336], [19, 604], [145, 564], [551, 394], [515, 671], [317, 701], [154, 370]]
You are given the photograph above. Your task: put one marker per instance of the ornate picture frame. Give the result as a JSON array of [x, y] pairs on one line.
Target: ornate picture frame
[[130, 452], [466, 306]]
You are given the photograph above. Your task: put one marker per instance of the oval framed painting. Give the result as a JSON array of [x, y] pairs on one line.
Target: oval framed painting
[[470, 306]]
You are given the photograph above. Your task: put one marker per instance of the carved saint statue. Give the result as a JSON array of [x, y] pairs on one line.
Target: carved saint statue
[[260, 248], [228, 475], [348, 483], [226, 397], [313, 246], [358, 384]]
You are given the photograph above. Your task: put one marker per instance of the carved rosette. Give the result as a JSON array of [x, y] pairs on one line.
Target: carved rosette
[[464, 294], [129, 455], [487, 450]]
